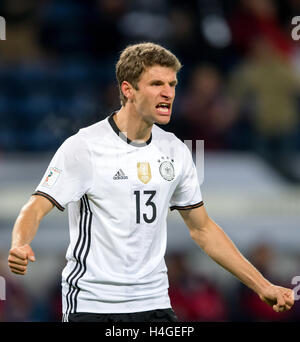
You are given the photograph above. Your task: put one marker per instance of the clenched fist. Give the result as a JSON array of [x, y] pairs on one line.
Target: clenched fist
[[18, 259], [280, 298]]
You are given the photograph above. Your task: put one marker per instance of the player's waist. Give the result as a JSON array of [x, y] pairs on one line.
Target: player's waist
[[87, 301], [117, 285]]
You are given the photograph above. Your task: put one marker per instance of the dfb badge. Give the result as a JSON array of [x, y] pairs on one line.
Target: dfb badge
[[166, 170]]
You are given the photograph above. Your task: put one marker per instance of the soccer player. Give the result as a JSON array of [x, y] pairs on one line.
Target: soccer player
[[118, 179]]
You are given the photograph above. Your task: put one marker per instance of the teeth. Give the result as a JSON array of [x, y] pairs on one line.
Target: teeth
[[163, 109]]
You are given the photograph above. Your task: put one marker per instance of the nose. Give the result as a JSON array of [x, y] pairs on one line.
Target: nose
[[168, 92]]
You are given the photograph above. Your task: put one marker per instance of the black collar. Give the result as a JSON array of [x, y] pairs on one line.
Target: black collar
[[123, 136]]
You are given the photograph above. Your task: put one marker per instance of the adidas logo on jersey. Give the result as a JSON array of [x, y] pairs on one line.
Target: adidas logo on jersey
[[120, 175]]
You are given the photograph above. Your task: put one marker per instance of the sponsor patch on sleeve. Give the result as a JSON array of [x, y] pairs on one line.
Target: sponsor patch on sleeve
[[52, 177]]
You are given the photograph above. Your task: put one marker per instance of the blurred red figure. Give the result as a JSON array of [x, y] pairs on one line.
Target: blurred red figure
[[258, 18], [253, 309], [194, 298]]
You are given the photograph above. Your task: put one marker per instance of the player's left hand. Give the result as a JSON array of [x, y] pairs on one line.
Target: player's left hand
[[280, 298]]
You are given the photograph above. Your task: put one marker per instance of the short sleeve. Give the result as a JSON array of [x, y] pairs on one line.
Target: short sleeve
[[187, 194], [69, 175]]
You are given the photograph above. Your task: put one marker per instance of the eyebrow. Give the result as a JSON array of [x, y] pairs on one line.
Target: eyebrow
[[161, 82]]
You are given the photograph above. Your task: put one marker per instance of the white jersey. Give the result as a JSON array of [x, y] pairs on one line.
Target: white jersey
[[118, 194]]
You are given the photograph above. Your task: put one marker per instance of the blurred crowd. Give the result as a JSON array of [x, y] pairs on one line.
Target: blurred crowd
[[238, 90]]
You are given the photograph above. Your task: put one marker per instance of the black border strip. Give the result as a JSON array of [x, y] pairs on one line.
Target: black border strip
[[51, 199], [187, 207]]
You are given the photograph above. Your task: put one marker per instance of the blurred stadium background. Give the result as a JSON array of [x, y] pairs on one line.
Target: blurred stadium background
[[238, 91]]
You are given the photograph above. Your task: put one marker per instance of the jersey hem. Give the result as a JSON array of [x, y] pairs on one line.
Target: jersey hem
[[99, 308], [49, 198], [187, 207]]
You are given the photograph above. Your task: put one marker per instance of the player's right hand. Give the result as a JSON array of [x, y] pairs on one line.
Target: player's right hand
[[18, 259]]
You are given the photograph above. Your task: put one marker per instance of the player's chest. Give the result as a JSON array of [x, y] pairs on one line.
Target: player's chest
[[117, 170]]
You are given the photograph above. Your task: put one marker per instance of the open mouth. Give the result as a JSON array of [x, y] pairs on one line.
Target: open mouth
[[164, 107]]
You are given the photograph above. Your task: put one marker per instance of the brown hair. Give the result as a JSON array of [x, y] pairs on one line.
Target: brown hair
[[134, 60]]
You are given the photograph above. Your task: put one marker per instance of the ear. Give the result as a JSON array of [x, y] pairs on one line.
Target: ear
[[127, 90]]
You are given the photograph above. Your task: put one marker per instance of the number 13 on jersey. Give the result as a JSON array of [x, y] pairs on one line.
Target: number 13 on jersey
[[147, 197]]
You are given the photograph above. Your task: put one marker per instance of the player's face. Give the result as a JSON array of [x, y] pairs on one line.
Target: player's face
[[155, 95]]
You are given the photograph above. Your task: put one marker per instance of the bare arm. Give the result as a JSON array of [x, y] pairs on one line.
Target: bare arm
[[24, 231], [212, 239]]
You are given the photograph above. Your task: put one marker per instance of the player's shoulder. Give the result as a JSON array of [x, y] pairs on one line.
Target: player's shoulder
[[169, 144], [94, 131], [81, 140], [160, 135]]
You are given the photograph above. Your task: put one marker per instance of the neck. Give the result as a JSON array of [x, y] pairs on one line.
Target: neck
[[132, 125]]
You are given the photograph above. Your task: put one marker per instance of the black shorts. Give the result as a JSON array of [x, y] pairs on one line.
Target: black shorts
[[159, 315]]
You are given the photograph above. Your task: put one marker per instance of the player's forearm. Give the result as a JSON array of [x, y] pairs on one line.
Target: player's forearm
[[25, 227], [222, 250]]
